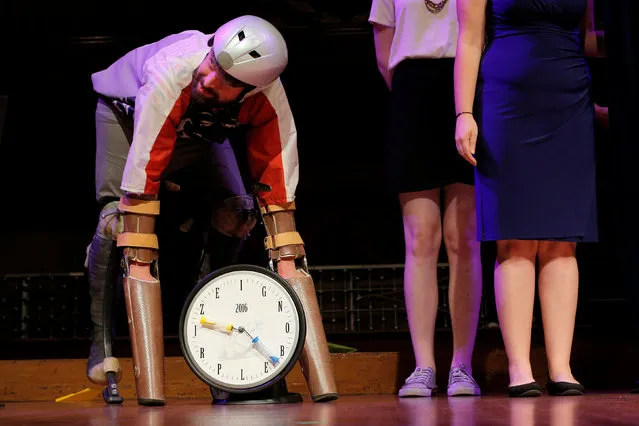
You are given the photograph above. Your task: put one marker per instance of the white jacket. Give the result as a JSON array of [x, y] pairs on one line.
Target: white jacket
[[158, 76]]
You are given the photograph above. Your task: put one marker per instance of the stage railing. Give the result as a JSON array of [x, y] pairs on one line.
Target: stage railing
[[352, 299]]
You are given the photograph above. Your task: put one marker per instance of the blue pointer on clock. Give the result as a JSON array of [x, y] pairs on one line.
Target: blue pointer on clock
[[228, 328], [259, 346]]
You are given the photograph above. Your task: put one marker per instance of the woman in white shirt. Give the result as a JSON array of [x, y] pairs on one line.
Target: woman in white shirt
[[415, 44]]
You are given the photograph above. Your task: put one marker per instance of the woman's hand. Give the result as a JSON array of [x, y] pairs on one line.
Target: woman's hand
[[601, 115], [466, 137]]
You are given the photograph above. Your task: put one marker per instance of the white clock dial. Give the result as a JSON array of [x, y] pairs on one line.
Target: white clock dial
[[241, 329]]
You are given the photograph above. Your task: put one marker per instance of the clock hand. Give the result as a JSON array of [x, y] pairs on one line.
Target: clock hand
[[259, 346], [223, 328], [229, 328]]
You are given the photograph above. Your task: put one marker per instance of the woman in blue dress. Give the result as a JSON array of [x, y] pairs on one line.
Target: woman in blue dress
[[526, 120]]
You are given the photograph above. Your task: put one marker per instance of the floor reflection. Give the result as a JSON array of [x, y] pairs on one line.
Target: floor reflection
[[609, 409]]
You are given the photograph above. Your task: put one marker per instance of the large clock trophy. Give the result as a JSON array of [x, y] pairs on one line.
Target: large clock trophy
[[242, 329]]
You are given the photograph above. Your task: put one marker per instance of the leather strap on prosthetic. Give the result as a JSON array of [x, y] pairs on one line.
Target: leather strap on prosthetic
[[282, 239], [143, 298], [284, 242]]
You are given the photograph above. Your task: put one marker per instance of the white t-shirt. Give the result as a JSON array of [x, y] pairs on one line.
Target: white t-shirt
[[419, 33]]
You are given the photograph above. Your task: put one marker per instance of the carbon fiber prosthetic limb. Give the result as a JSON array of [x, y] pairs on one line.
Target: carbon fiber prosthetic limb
[[103, 268], [284, 242]]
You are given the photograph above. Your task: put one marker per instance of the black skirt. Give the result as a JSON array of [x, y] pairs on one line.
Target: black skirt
[[420, 141]]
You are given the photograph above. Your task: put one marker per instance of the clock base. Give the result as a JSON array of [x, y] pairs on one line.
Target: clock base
[[276, 394]]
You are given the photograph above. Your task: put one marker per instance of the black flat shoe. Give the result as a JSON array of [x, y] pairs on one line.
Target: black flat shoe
[[564, 388], [526, 390]]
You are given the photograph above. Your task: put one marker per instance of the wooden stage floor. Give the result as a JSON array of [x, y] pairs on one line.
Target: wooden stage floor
[[591, 409]]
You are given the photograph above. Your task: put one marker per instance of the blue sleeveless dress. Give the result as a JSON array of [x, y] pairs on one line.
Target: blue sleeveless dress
[[535, 174]]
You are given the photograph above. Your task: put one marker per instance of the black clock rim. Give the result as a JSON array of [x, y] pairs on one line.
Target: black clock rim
[[298, 348]]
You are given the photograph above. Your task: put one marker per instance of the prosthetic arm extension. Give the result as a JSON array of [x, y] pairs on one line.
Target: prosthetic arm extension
[[143, 297], [284, 242]]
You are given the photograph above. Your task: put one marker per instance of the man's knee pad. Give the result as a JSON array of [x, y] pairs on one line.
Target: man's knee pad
[[109, 224], [284, 242], [143, 298], [235, 217], [219, 251]]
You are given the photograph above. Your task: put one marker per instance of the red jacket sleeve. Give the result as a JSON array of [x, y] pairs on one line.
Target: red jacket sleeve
[[272, 143]]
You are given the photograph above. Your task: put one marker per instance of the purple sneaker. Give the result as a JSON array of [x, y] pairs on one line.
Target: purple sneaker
[[420, 383], [461, 383]]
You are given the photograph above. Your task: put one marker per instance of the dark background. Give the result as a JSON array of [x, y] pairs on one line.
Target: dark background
[[47, 152], [339, 100]]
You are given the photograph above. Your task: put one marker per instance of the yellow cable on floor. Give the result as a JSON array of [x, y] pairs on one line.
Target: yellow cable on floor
[[62, 398]]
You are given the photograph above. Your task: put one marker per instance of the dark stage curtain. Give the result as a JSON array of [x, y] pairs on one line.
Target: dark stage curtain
[[622, 43]]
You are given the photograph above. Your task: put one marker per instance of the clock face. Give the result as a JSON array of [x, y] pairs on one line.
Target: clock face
[[241, 329]]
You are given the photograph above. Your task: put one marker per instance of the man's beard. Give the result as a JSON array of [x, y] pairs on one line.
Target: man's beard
[[210, 100]]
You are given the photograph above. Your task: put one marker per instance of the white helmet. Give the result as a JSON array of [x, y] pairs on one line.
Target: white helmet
[[250, 49]]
